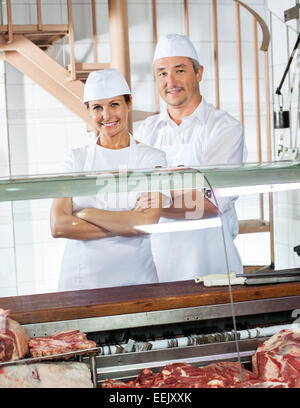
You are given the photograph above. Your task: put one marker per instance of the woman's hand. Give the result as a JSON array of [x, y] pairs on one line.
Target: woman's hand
[[146, 200], [124, 222], [65, 224], [82, 214]]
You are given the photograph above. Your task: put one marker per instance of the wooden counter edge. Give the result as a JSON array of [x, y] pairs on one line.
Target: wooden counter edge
[[148, 304]]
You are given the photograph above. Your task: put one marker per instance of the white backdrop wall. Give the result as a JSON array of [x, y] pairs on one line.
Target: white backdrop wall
[[41, 130], [286, 204]]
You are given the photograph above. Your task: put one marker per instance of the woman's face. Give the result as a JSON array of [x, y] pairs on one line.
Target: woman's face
[[110, 115]]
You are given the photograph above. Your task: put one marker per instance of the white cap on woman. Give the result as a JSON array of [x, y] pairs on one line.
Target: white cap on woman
[[105, 83]]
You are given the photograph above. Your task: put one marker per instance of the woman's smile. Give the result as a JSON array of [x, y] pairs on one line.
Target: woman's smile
[[109, 124]]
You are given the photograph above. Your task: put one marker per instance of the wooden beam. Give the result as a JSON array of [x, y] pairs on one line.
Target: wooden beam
[[255, 268], [141, 115], [34, 28], [268, 105], [269, 149], [216, 54], [45, 63], [154, 22], [71, 42], [240, 66], [257, 96], [271, 215], [39, 14], [9, 22], [257, 108], [95, 41], [186, 18], [154, 27], [265, 30], [80, 304], [48, 83], [119, 37], [119, 40], [253, 226], [90, 66]]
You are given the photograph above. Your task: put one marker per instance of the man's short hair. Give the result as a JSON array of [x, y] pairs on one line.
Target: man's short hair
[[196, 64]]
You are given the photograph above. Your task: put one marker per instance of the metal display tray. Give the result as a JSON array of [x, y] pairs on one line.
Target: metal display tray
[[127, 366], [89, 354]]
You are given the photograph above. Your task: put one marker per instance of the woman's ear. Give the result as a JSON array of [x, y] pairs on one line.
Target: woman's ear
[[87, 104], [130, 103]]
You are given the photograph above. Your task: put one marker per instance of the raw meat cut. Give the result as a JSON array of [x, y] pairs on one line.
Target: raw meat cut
[[181, 375], [63, 342], [46, 375], [278, 358], [259, 383], [13, 338], [276, 364]]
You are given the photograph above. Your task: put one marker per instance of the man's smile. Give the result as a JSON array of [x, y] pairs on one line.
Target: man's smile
[[174, 91]]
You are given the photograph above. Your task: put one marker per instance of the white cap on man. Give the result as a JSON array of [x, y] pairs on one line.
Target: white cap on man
[[175, 45], [105, 83]]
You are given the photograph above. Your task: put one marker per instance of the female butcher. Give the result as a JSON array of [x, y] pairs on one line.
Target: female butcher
[[103, 248]]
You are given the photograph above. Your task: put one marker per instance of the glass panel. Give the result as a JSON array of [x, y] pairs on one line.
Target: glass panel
[[206, 316], [268, 242], [36, 256]]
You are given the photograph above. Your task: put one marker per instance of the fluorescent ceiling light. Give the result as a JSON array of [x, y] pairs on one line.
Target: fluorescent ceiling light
[[180, 225], [246, 190]]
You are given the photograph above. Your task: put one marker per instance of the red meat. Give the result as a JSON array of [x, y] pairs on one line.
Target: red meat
[[181, 375], [276, 364], [278, 358], [63, 342], [13, 338]]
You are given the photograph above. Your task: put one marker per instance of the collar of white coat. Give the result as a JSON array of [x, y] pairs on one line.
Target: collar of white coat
[[132, 142], [199, 114], [92, 148]]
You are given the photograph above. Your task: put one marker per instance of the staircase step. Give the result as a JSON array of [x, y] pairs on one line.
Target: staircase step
[[83, 69], [44, 29], [25, 56], [44, 36], [45, 41]]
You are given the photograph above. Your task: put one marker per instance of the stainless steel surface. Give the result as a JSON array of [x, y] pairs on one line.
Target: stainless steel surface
[[270, 274], [128, 365], [161, 317], [60, 356], [292, 13], [93, 368], [275, 279], [89, 183]]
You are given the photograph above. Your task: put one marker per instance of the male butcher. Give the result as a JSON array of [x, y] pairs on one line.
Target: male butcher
[[192, 133]]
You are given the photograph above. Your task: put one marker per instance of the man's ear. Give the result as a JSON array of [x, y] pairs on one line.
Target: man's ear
[[200, 73]]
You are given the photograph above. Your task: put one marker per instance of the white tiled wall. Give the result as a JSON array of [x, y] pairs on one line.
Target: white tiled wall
[[287, 206], [41, 130]]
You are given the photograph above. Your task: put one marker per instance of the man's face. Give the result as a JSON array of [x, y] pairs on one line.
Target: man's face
[[176, 80]]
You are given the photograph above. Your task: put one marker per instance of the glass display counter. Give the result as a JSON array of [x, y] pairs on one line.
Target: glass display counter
[[225, 248]]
